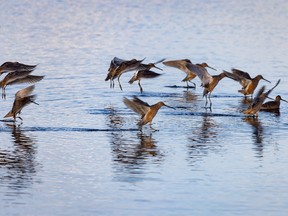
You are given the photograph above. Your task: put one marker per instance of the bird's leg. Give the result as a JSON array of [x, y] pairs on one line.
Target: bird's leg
[[119, 82], [153, 129], [3, 93], [141, 90], [206, 101], [193, 84], [210, 100]]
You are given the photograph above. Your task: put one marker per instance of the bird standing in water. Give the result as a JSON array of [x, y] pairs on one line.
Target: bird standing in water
[[182, 64], [147, 112], [146, 74], [208, 82], [258, 101], [22, 98], [248, 84], [272, 105]]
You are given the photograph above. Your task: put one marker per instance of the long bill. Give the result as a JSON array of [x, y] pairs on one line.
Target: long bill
[[170, 107], [211, 68], [266, 80]]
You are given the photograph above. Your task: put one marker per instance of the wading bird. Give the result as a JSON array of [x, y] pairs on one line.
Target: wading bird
[[258, 101], [182, 65], [248, 84], [147, 112], [15, 66], [18, 77], [22, 98], [208, 82], [143, 74], [115, 62], [132, 65], [273, 105]]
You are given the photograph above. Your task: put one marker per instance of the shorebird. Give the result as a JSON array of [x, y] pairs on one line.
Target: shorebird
[[15, 66], [22, 98], [258, 101], [182, 65], [146, 74], [115, 62], [208, 82], [272, 105], [18, 77], [126, 66], [147, 112], [248, 84], [132, 65]]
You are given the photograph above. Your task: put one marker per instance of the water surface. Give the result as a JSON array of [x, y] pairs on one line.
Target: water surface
[[80, 151]]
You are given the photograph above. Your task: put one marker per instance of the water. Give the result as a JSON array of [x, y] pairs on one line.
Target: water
[[79, 151]]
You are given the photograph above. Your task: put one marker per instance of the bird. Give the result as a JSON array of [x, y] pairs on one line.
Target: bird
[[272, 105], [115, 62], [182, 65], [7, 67], [18, 77], [125, 66], [248, 84], [147, 112], [22, 98], [208, 82], [132, 65], [258, 101], [147, 74]]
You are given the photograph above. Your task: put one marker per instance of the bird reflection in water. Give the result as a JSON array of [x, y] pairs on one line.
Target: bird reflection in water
[[20, 162], [130, 153], [203, 139], [257, 134]]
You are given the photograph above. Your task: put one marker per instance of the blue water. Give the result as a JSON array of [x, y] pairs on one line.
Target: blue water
[[80, 153]]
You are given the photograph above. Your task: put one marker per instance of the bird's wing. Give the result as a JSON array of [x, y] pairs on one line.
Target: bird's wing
[[243, 80], [11, 77], [241, 73], [137, 105], [179, 64], [201, 72], [27, 79], [24, 92], [268, 92], [157, 62]]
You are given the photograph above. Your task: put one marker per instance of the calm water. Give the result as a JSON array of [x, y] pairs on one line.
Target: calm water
[[79, 152]]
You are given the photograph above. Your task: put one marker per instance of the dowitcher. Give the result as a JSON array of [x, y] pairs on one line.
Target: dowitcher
[[208, 82], [115, 62], [146, 74], [22, 98], [182, 65], [126, 66], [15, 66], [18, 77], [248, 84], [147, 112], [273, 105], [258, 101]]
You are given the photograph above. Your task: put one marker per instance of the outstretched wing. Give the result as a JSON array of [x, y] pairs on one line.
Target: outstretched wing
[[201, 72], [137, 105], [241, 73], [179, 64], [27, 79]]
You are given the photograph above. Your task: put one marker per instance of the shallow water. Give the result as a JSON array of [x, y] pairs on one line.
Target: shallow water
[[80, 151]]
